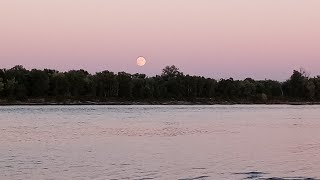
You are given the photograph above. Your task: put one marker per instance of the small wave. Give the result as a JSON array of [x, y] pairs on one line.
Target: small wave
[[198, 177], [259, 176], [252, 174], [290, 178]]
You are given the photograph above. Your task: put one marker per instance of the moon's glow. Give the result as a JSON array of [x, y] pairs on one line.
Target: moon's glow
[[141, 61]]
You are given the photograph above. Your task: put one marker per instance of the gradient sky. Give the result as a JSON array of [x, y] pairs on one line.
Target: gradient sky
[[215, 38]]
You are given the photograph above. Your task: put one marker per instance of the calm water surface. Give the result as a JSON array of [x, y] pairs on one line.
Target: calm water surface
[[159, 142]]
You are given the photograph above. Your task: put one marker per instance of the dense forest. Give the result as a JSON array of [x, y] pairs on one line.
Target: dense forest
[[21, 85]]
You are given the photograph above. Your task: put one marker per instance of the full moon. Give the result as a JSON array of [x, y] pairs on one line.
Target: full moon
[[141, 61]]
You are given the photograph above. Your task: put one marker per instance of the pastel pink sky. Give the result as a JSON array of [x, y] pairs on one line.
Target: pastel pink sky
[[215, 38]]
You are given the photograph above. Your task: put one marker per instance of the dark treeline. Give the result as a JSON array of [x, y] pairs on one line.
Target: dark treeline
[[21, 84]]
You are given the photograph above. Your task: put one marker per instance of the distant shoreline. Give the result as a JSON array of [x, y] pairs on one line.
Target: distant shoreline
[[70, 103], [19, 86]]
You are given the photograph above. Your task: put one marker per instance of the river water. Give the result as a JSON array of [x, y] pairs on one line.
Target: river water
[[160, 142]]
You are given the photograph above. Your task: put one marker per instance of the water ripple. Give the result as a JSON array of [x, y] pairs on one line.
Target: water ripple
[[160, 142]]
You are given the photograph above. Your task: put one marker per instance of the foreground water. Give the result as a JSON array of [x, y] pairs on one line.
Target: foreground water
[[159, 142]]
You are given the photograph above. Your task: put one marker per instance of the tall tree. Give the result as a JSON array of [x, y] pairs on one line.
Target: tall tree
[[138, 85], [18, 77], [316, 82], [39, 83], [60, 85], [9, 88], [77, 81], [296, 84], [1, 85], [173, 81], [125, 85], [106, 84]]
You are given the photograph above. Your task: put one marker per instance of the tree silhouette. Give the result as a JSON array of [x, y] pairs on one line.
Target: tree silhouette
[[19, 83]]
